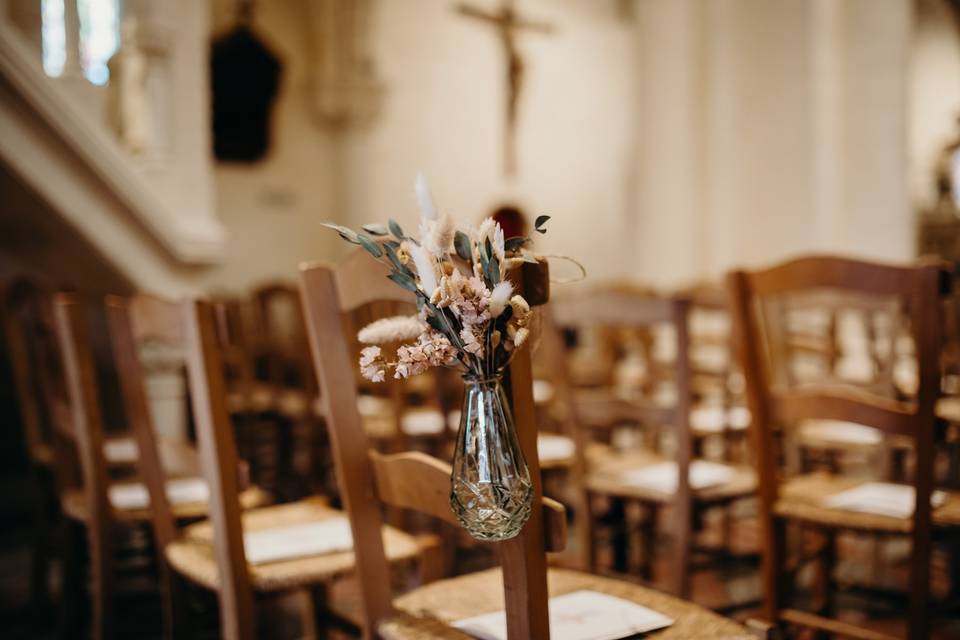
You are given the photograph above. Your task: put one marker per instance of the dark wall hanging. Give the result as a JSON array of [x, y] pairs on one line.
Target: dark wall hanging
[[245, 76]]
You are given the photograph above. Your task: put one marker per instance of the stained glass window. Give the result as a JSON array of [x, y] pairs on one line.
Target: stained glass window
[[99, 36]]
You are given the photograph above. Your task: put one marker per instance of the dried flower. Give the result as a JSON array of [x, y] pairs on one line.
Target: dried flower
[[392, 329], [428, 209], [500, 297], [470, 342], [520, 307], [462, 295], [437, 235], [425, 268], [372, 364]]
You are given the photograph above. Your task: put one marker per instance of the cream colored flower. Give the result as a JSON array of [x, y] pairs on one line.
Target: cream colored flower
[[394, 329], [520, 307], [426, 269], [500, 297]]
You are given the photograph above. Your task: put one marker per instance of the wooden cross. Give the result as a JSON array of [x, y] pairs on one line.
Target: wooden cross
[[507, 23]]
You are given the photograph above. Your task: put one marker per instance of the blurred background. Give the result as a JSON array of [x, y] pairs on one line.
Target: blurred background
[[197, 145]]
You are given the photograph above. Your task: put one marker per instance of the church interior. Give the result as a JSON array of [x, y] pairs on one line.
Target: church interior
[[497, 319]]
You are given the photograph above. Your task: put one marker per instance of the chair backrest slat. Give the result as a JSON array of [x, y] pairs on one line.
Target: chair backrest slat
[[219, 457], [847, 405], [323, 303], [73, 337], [126, 320]]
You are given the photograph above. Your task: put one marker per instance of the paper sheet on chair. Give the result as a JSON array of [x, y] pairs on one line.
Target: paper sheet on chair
[[134, 495], [663, 476], [581, 615], [298, 541], [881, 498]]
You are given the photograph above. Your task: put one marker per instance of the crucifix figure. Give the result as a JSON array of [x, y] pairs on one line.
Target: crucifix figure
[[507, 22]]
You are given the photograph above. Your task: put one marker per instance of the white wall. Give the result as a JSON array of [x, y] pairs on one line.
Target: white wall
[[669, 145], [445, 78], [273, 208], [769, 130]]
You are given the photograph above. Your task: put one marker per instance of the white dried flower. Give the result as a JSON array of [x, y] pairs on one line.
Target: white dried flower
[[428, 209], [498, 241], [520, 337], [426, 269], [520, 307], [500, 297], [392, 329], [437, 235]]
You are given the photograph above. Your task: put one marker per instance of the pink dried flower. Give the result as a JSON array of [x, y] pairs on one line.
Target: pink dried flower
[[372, 364]]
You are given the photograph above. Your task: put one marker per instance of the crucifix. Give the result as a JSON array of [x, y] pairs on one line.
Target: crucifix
[[507, 23]]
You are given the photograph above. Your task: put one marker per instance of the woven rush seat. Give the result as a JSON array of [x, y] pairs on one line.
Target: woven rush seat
[[74, 505], [193, 555], [710, 420], [801, 498], [293, 403], [608, 466], [426, 612], [555, 451]]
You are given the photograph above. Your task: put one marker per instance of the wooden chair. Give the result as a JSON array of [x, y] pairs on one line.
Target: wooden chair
[[87, 495], [777, 406], [417, 481], [212, 553], [604, 470], [27, 325]]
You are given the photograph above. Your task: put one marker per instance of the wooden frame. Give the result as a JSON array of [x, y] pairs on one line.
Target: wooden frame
[[365, 480], [625, 309], [86, 428], [920, 289], [192, 324]]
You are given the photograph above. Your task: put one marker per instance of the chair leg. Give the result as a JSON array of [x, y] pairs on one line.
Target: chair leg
[[648, 541], [318, 594], [775, 585], [71, 594], [823, 589]]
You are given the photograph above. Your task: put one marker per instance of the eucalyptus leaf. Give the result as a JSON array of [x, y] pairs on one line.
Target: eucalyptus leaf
[[514, 243], [493, 271], [346, 233], [436, 323], [461, 243], [395, 229], [392, 256], [371, 246], [540, 221], [404, 281], [375, 229]]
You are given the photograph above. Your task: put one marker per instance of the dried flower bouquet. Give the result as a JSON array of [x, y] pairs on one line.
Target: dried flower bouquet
[[469, 317]]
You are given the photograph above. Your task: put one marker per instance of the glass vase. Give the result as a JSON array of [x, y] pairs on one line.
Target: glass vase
[[490, 488]]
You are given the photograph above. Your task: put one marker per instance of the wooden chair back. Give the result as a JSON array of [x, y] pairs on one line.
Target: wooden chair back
[[636, 310], [413, 480], [86, 429], [27, 317], [776, 404], [191, 324], [280, 313]]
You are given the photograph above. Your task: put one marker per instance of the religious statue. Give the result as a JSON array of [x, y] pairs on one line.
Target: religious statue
[[507, 22], [129, 112]]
